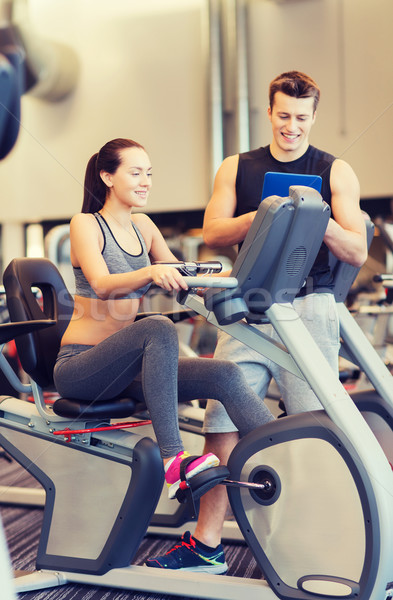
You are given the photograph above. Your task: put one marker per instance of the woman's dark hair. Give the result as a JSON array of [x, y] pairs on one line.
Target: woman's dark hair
[[107, 159], [295, 84]]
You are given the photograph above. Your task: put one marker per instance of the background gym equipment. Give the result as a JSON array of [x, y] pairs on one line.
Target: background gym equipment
[[311, 538]]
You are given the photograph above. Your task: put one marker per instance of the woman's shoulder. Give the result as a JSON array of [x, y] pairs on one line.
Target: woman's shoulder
[[143, 223], [83, 220], [84, 225], [140, 219]]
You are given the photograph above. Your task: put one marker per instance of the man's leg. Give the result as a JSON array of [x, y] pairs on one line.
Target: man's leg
[[214, 504], [221, 434], [203, 552], [319, 314]]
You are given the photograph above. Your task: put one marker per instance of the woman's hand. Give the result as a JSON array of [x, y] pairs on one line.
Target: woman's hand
[[167, 278]]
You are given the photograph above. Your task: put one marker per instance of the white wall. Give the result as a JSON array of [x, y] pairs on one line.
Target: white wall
[[143, 74], [143, 68], [346, 45]]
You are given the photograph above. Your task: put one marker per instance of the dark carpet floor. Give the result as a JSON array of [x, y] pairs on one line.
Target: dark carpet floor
[[22, 529]]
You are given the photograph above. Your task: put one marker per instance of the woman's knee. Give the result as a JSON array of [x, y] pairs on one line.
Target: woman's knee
[[161, 328], [228, 373]]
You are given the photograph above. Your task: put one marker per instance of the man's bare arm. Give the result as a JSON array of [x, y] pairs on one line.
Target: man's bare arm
[[346, 234], [220, 226]]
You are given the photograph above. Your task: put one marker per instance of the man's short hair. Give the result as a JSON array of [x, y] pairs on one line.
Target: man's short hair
[[295, 84]]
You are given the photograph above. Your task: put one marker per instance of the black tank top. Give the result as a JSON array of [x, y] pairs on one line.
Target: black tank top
[[249, 182]]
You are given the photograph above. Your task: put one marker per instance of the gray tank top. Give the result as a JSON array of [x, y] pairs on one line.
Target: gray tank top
[[117, 261]]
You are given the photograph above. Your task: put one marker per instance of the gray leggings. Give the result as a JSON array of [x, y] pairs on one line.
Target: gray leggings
[[144, 358]]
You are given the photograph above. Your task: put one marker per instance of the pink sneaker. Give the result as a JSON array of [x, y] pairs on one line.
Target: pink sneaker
[[172, 469]]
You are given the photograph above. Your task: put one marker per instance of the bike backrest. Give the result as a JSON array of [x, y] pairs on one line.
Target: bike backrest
[[35, 290]]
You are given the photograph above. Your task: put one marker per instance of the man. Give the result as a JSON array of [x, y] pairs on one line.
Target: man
[[293, 100]]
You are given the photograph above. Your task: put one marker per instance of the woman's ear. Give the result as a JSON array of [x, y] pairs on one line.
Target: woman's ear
[[106, 178]]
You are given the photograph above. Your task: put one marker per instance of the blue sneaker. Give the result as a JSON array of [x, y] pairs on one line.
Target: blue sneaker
[[188, 556]]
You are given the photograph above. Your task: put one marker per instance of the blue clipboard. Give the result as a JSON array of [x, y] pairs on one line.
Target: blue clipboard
[[278, 184]]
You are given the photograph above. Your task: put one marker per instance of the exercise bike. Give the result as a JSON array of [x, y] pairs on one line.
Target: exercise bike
[[316, 504]]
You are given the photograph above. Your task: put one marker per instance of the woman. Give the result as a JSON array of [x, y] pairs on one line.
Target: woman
[[104, 349]]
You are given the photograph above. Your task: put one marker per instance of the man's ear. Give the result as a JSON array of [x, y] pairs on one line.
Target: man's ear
[[314, 116], [106, 178], [269, 113]]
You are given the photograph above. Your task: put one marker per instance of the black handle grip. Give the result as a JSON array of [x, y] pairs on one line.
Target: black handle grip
[[192, 268]]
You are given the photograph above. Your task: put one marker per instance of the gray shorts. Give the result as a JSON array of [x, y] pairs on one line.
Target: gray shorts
[[319, 314]]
